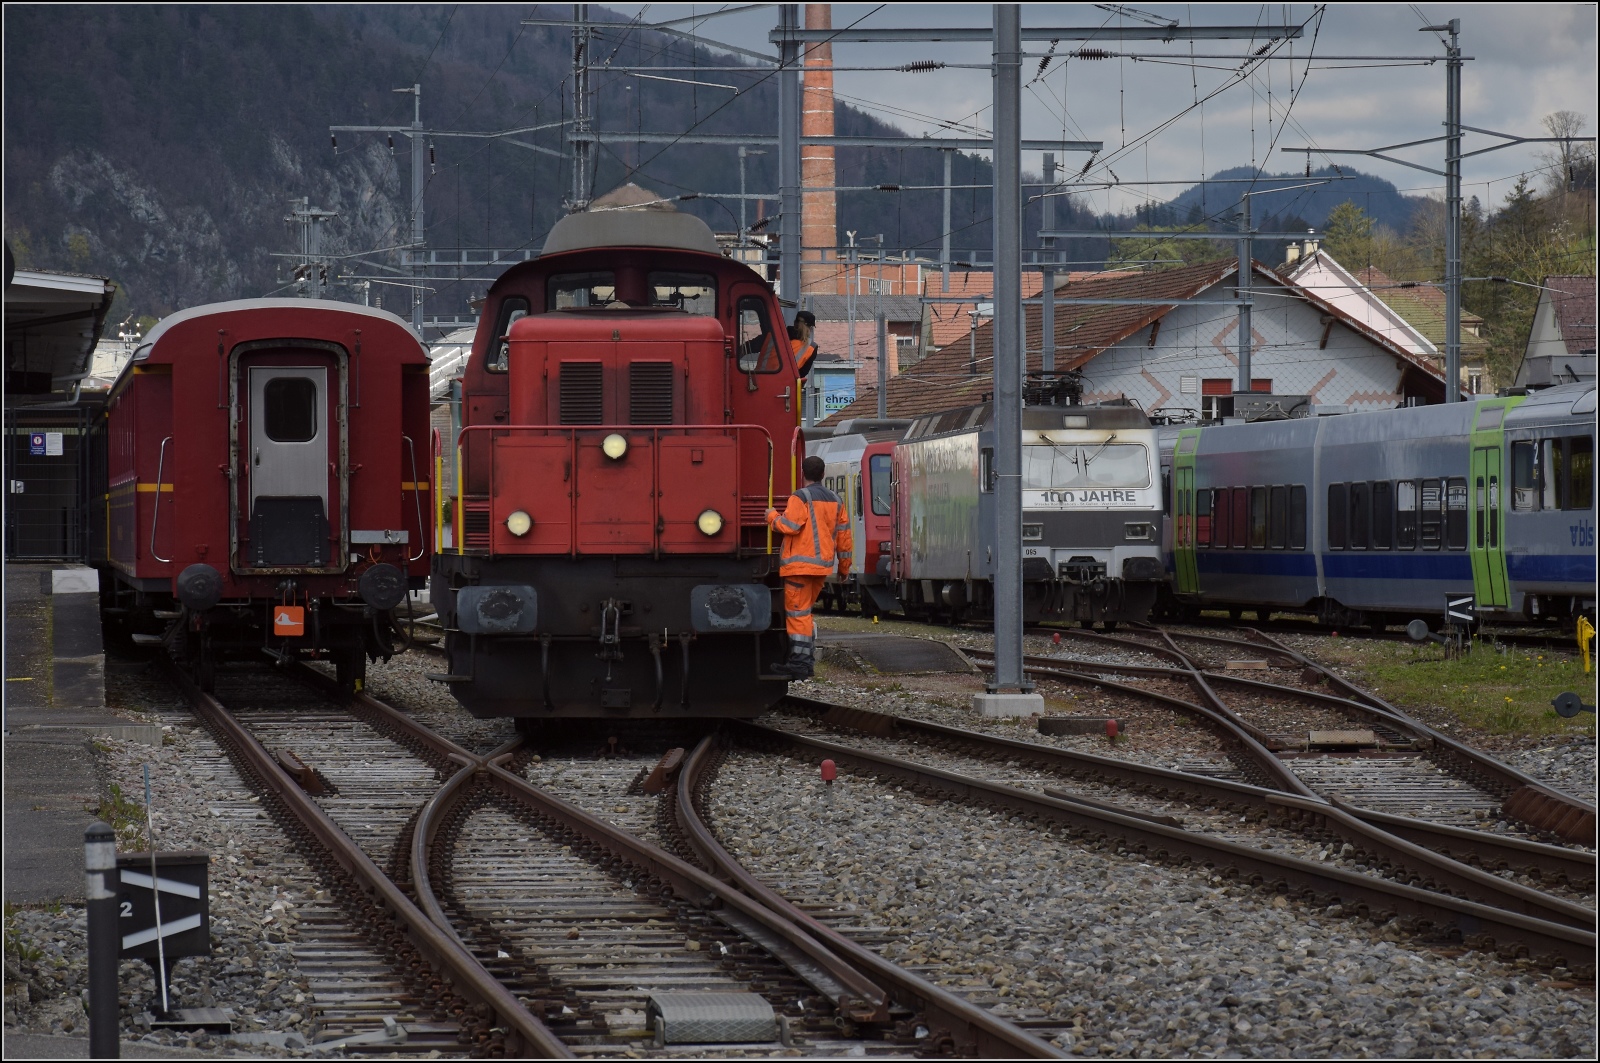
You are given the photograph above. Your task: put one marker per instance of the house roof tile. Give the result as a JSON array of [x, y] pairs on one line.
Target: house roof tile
[[1574, 301]]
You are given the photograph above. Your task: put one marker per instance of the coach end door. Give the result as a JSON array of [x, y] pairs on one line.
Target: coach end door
[[286, 466]]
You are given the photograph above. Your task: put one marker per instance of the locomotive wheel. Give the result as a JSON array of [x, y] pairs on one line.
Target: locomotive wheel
[[351, 668]]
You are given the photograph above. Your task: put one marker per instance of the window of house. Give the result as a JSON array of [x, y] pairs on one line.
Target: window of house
[[1455, 513], [1241, 517], [1258, 518], [1430, 510], [1360, 515], [1202, 518], [1278, 518], [1216, 398], [1297, 517], [1382, 515], [1405, 514]]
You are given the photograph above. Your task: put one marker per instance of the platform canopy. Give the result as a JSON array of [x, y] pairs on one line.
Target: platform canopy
[[53, 321]]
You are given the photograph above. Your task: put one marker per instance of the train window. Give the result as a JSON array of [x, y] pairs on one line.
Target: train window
[[1258, 518], [1478, 509], [1405, 507], [1166, 489], [1431, 511], [575, 291], [986, 471], [1241, 517], [1297, 517], [1202, 518], [693, 293], [1524, 475], [1049, 466], [1219, 534], [879, 468], [1580, 467], [289, 409], [1360, 515], [758, 345], [513, 308], [1553, 465], [1278, 518], [1382, 515], [1455, 522], [1338, 519]]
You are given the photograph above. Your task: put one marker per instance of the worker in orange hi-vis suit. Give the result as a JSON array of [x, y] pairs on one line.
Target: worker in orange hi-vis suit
[[816, 538]]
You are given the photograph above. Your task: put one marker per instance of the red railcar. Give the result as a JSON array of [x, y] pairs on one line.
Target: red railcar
[[268, 467], [629, 413]]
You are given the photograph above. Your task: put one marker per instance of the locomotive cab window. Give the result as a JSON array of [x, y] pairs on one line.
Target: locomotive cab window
[[289, 409], [758, 345], [512, 309], [579, 291], [693, 293]]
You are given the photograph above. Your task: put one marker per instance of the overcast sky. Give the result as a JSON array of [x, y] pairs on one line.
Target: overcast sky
[[1527, 61]]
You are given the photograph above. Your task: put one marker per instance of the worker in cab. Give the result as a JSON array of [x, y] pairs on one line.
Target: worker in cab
[[816, 540], [802, 341]]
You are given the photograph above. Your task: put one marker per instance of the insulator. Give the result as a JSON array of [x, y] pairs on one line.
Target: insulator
[[432, 158], [1093, 53], [921, 66], [888, 188], [391, 145], [335, 141]]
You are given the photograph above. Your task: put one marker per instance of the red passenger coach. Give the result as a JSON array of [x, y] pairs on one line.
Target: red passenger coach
[[268, 482], [629, 413]]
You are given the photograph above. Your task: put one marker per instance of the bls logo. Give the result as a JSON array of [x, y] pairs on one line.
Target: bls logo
[[1582, 534]]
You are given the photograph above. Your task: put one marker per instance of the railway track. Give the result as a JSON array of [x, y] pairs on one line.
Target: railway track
[[1506, 925], [499, 919]]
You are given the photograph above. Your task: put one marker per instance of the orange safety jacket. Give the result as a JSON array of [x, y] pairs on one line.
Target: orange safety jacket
[[803, 354], [816, 533]]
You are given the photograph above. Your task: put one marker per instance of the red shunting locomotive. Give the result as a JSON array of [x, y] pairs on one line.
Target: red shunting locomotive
[[268, 467], [628, 414]]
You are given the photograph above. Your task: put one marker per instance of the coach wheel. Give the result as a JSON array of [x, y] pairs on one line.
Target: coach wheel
[[1236, 615], [351, 666], [1110, 626]]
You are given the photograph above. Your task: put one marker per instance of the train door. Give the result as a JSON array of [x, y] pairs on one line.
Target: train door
[[292, 450], [1185, 564], [1486, 490]]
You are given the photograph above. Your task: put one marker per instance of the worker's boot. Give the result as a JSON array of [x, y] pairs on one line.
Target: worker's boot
[[799, 664], [785, 667]]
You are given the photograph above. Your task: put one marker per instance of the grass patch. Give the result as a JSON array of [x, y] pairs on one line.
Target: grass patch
[[1499, 689], [125, 817]]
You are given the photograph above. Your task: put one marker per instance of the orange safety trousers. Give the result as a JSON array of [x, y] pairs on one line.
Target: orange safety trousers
[[799, 595]]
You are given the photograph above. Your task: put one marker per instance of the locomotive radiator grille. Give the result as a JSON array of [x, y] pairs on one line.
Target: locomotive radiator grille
[[475, 523], [649, 393], [582, 393]]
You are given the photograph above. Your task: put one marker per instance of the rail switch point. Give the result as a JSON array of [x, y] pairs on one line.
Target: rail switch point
[[987, 704]]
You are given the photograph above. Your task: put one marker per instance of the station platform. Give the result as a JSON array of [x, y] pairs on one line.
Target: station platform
[[55, 705]]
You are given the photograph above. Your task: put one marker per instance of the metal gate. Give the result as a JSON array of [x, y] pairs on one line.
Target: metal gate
[[47, 475]]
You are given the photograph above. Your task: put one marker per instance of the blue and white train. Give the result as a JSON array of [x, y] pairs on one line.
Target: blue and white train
[[1378, 518]]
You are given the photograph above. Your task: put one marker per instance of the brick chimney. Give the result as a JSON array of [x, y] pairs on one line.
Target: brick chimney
[[818, 210]]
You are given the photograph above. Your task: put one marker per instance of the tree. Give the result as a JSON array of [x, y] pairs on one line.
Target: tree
[[1347, 235], [1167, 253]]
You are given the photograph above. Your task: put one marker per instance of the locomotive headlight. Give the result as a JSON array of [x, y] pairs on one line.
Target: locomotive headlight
[[519, 523], [614, 445], [709, 522]]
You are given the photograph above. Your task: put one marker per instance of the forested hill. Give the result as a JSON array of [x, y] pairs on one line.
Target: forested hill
[[162, 144]]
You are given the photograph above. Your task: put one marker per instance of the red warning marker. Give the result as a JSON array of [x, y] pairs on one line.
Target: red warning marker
[[1056, 638], [288, 620], [1111, 730], [830, 772]]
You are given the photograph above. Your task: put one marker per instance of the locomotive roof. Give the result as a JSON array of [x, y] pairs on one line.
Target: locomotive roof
[[234, 305], [631, 228], [1034, 418]]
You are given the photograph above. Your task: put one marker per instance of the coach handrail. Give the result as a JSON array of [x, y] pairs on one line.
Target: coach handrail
[[416, 496], [155, 515]]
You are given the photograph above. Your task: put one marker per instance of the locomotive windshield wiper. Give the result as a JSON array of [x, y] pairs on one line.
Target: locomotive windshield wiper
[[1087, 458]]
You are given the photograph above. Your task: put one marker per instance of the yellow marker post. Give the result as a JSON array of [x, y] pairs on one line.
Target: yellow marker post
[[1585, 637]]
